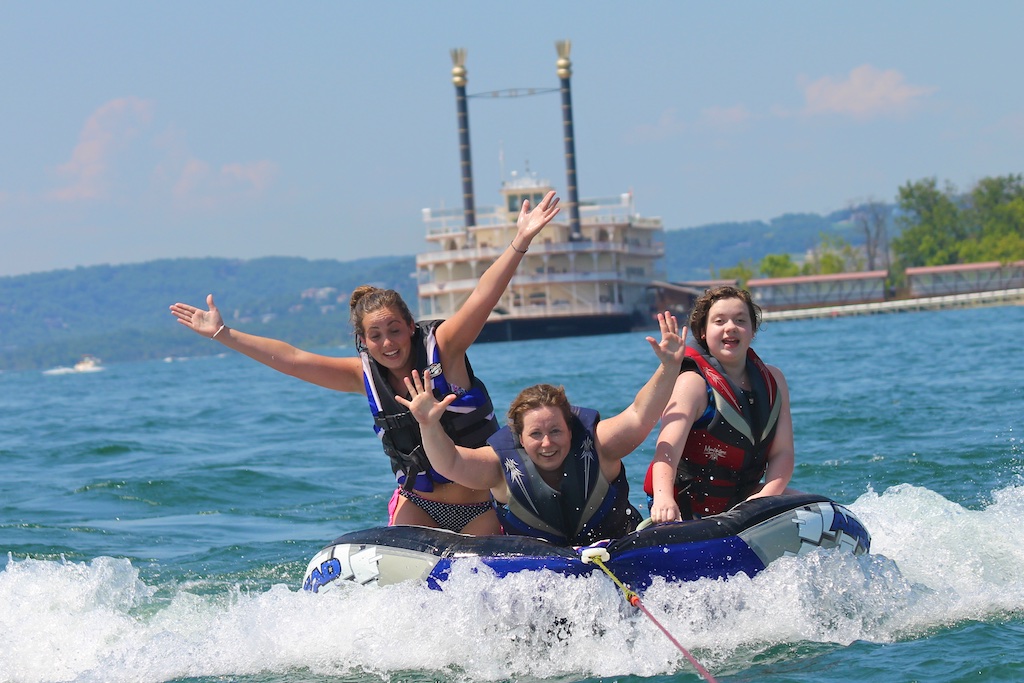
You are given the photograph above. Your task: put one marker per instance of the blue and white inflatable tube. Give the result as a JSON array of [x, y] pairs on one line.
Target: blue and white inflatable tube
[[745, 539]]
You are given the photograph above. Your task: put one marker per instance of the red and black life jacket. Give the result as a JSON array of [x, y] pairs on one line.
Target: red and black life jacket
[[726, 452]]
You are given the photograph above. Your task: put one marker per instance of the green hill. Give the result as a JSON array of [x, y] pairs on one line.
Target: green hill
[[119, 313], [691, 253]]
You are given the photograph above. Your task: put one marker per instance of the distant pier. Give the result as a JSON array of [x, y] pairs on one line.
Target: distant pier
[[928, 303]]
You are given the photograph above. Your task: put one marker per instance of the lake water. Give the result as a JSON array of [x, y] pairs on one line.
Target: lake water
[[157, 519]]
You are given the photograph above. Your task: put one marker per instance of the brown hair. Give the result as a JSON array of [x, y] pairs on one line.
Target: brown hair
[[699, 316], [367, 299], [537, 396]]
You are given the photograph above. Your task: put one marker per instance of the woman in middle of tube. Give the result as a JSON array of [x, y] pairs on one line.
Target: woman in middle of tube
[[555, 471]]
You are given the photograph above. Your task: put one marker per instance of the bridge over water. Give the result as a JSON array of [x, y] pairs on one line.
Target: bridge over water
[[994, 298]]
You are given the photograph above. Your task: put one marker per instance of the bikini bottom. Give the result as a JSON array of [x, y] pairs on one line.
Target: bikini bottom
[[450, 516]]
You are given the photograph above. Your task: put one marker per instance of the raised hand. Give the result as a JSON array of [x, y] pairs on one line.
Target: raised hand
[[206, 323], [672, 347], [530, 222], [422, 404]]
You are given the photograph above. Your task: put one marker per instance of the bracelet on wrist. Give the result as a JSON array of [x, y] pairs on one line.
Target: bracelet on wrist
[[516, 249], [219, 330]]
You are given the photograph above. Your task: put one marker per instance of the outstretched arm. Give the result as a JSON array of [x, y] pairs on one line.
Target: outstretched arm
[[340, 374], [475, 468], [457, 333], [688, 402], [620, 435]]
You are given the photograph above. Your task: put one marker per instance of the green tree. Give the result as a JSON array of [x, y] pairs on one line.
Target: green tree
[[996, 215], [778, 265], [741, 272], [940, 227], [989, 205], [833, 255], [1005, 248], [932, 225]]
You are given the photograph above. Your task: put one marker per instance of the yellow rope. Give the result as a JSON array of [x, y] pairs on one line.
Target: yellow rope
[[631, 596], [633, 599]]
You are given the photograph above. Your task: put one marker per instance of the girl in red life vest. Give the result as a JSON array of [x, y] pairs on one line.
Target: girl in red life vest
[[727, 425]]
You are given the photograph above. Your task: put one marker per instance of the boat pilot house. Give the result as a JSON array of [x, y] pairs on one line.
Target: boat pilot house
[[595, 281], [590, 273]]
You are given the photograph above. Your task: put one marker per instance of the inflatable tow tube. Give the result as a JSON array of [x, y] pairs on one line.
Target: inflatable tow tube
[[745, 539]]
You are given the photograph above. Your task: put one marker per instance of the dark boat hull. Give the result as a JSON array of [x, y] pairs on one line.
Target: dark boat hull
[[550, 327]]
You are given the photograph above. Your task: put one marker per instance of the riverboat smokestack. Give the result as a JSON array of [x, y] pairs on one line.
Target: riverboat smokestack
[[459, 79], [571, 195]]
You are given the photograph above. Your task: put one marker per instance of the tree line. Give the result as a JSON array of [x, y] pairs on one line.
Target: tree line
[[120, 313], [928, 225]]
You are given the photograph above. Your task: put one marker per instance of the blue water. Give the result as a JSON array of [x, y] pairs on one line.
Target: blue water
[[157, 519]]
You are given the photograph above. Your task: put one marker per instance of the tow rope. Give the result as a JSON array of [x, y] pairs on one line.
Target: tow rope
[[598, 557]]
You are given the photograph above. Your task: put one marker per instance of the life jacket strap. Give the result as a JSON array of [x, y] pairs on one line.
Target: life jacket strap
[[397, 421]]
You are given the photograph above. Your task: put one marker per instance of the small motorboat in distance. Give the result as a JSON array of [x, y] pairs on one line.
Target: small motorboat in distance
[[88, 364]]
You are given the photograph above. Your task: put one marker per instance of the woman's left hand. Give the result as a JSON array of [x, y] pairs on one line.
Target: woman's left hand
[[530, 222], [422, 404], [672, 348]]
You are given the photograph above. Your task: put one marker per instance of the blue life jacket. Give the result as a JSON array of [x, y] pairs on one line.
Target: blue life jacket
[[585, 509], [468, 421]]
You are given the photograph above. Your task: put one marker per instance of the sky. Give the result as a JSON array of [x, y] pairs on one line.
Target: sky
[[133, 131]]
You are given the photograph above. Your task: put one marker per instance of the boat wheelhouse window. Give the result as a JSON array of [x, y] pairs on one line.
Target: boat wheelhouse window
[[514, 202]]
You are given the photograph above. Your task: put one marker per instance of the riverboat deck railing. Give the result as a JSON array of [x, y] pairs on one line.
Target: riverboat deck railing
[[427, 289], [652, 250], [616, 210]]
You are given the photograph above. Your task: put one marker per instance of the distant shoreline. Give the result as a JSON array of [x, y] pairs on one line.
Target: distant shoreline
[[969, 300]]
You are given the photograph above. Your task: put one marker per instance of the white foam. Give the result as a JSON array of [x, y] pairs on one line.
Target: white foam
[[933, 563]]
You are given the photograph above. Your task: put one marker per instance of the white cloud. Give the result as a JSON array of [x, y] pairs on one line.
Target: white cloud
[[99, 157], [865, 93], [726, 117], [107, 131], [256, 176], [199, 185], [666, 127], [669, 125], [194, 174]]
